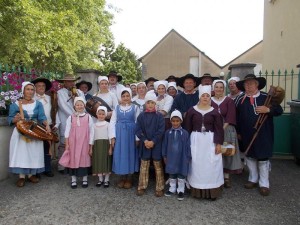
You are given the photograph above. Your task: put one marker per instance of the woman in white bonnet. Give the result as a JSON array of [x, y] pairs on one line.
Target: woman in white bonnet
[[105, 94], [164, 101], [205, 125], [234, 91], [26, 156]]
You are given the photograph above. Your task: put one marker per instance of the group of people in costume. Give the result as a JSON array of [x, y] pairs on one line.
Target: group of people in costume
[[178, 125]]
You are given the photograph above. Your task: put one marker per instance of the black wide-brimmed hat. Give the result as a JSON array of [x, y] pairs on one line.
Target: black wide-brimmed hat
[[89, 84], [45, 81], [261, 82], [172, 77], [207, 75], [150, 79], [114, 73], [188, 76]]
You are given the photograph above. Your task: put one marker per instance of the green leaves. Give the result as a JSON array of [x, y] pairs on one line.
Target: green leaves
[[122, 60], [53, 35]]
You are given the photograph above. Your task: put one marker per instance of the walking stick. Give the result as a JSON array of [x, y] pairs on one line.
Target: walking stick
[[262, 117]]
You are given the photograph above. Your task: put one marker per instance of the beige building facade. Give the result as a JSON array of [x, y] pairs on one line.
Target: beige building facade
[[281, 50], [175, 55], [281, 35]]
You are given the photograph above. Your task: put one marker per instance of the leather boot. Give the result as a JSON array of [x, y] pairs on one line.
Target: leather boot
[[128, 182]]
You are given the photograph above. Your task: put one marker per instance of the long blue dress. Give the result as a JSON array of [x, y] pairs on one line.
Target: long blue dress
[[125, 158]]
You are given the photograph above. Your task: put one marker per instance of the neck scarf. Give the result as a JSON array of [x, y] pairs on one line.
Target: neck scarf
[[43, 97]]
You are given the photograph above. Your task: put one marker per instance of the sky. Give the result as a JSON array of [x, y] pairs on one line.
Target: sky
[[222, 29]]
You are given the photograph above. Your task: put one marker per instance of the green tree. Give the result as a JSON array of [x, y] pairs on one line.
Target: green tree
[[53, 35], [122, 60]]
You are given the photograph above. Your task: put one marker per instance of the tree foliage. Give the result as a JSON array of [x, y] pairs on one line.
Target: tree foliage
[[122, 60], [57, 35]]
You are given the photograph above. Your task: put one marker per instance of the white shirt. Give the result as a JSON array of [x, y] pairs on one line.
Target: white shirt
[[110, 98], [165, 104], [116, 88], [46, 102], [65, 106], [101, 130]]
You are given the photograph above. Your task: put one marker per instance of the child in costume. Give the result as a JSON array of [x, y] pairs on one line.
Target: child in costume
[[122, 127], [176, 150], [79, 136], [102, 150], [150, 128]]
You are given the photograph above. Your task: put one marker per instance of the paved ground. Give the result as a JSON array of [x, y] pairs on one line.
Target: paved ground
[[52, 201]]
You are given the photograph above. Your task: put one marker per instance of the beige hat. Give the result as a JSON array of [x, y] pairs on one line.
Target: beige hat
[[68, 77]]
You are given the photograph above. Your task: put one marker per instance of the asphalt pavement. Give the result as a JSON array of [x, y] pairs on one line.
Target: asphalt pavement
[[52, 201]]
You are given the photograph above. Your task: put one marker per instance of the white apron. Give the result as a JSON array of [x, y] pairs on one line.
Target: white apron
[[24, 154], [206, 168]]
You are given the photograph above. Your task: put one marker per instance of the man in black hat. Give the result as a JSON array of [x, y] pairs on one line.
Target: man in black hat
[[41, 86], [172, 78], [150, 83], [250, 105], [189, 97], [85, 87], [207, 79], [113, 82]]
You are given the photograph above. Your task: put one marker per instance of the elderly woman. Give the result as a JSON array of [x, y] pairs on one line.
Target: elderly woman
[[225, 106], [139, 99], [206, 127], [105, 94], [164, 101], [26, 156], [234, 91]]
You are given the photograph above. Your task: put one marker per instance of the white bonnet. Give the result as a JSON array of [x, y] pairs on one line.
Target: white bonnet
[[204, 89], [219, 81], [236, 79], [24, 84], [122, 90], [79, 99], [142, 83], [100, 78], [172, 84], [176, 113], [150, 96], [101, 107], [159, 82]]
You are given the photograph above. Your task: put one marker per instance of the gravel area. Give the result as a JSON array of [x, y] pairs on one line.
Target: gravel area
[[52, 201]]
